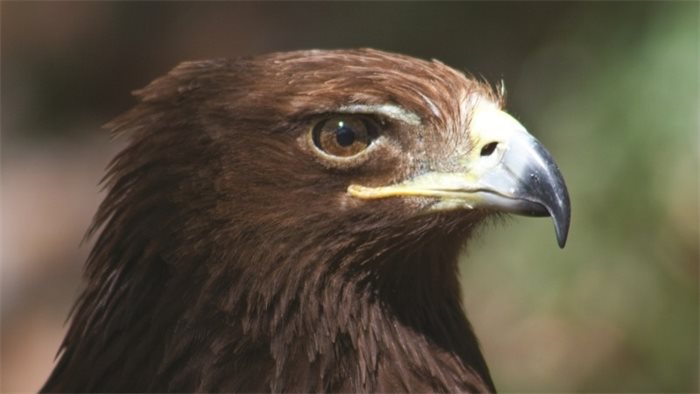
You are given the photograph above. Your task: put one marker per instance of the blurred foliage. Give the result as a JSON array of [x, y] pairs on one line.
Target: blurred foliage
[[621, 111], [610, 88]]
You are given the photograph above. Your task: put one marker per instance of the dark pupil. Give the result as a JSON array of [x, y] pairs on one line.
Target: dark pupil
[[344, 135]]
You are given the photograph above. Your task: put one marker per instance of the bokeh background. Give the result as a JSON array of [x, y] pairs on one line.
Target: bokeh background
[[610, 88]]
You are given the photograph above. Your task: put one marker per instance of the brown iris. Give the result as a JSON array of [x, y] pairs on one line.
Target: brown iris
[[344, 135]]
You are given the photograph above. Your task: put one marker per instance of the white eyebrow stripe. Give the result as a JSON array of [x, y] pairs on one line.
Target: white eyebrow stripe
[[388, 110]]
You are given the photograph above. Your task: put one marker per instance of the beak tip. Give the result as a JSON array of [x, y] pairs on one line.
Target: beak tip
[[562, 235], [562, 220]]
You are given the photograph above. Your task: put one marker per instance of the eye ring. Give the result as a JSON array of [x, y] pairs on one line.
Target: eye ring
[[344, 136]]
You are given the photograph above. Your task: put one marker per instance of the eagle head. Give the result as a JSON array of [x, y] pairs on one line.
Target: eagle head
[[292, 221]]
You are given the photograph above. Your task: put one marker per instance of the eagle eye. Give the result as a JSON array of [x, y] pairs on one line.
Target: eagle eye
[[344, 135]]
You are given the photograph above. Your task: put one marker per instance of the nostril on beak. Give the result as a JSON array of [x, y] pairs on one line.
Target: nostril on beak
[[488, 149]]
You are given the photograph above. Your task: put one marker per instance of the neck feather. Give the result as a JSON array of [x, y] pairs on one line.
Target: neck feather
[[349, 316]]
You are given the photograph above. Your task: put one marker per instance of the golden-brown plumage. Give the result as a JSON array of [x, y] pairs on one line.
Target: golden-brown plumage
[[233, 257]]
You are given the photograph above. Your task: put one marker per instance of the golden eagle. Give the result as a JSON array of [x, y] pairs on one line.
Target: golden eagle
[[292, 222]]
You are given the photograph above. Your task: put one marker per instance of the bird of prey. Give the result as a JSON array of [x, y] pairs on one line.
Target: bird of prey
[[292, 222]]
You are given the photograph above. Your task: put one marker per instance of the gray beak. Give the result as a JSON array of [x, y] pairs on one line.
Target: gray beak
[[506, 170]]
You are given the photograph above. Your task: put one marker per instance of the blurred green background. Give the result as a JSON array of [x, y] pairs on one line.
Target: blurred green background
[[610, 88]]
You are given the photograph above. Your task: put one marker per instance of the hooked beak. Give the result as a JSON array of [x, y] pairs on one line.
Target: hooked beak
[[507, 170]]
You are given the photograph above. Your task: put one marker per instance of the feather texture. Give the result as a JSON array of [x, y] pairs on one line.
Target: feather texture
[[229, 258]]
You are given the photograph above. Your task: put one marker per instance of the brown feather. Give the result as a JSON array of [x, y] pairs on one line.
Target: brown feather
[[229, 259]]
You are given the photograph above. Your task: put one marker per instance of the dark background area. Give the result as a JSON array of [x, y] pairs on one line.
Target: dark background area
[[610, 88]]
